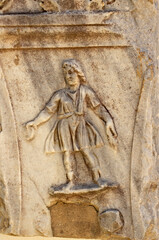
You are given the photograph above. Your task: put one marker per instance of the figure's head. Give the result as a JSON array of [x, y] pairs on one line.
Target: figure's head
[[73, 73]]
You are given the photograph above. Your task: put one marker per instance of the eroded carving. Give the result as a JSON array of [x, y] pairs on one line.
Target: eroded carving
[[49, 5], [95, 5], [109, 1], [111, 220], [5, 5], [88, 5], [72, 132], [4, 218]]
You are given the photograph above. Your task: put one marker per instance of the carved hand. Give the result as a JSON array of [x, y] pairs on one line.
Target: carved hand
[[111, 133], [31, 127]]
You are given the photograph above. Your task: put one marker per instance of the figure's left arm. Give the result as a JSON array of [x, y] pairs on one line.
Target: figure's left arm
[[102, 112], [111, 132]]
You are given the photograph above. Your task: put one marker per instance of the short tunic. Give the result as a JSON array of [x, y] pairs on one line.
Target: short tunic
[[71, 131]]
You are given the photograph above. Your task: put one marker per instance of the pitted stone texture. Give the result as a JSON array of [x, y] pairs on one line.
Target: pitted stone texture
[[5, 5], [75, 221], [111, 220], [125, 81], [49, 5], [34, 6]]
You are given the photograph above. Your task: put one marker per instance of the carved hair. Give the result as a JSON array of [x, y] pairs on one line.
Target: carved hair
[[76, 67]]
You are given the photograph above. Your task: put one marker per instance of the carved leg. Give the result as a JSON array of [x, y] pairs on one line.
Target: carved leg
[[92, 164], [68, 168]]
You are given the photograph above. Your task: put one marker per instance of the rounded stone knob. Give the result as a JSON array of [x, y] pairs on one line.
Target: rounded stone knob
[[111, 220]]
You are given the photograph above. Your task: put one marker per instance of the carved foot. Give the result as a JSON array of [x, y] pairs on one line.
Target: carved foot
[[62, 188], [68, 186], [103, 183]]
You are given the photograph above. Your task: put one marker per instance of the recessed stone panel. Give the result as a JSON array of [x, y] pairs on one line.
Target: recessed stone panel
[[75, 221]]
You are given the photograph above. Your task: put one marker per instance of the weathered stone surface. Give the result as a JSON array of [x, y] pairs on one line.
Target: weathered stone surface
[[111, 221], [5, 5], [113, 47], [4, 237], [75, 221], [27, 6], [50, 5]]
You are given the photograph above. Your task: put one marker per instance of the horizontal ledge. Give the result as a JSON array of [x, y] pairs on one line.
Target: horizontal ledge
[[58, 19], [48, 48], [7, 237], [59, 37], [60, 30], [63, 45]]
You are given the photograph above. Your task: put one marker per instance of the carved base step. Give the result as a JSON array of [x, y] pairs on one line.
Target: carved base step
[[67, 189], [73, 204]]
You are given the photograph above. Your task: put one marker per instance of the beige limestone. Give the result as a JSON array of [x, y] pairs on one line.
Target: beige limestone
[[116, 46], [3, 237]]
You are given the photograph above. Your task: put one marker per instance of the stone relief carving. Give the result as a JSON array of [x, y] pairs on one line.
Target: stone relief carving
[[49, 5], [111, 220], [88, 5], [109, 1], [95, 5], [72, 132], [146, 203], [5, 5]]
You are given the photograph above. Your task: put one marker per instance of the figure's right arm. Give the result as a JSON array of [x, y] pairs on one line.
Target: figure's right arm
[[44, 115], [32, 125]]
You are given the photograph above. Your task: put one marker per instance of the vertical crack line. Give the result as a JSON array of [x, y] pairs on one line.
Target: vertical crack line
[[9, 98]]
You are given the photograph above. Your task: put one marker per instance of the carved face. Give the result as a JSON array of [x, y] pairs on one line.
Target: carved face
[[71, 76]]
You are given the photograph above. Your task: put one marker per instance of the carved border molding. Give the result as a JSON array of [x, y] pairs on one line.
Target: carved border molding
[[58, 31], [9, 138], [52, 19]]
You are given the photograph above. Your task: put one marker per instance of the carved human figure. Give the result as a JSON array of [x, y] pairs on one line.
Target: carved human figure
[[71, 131]]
